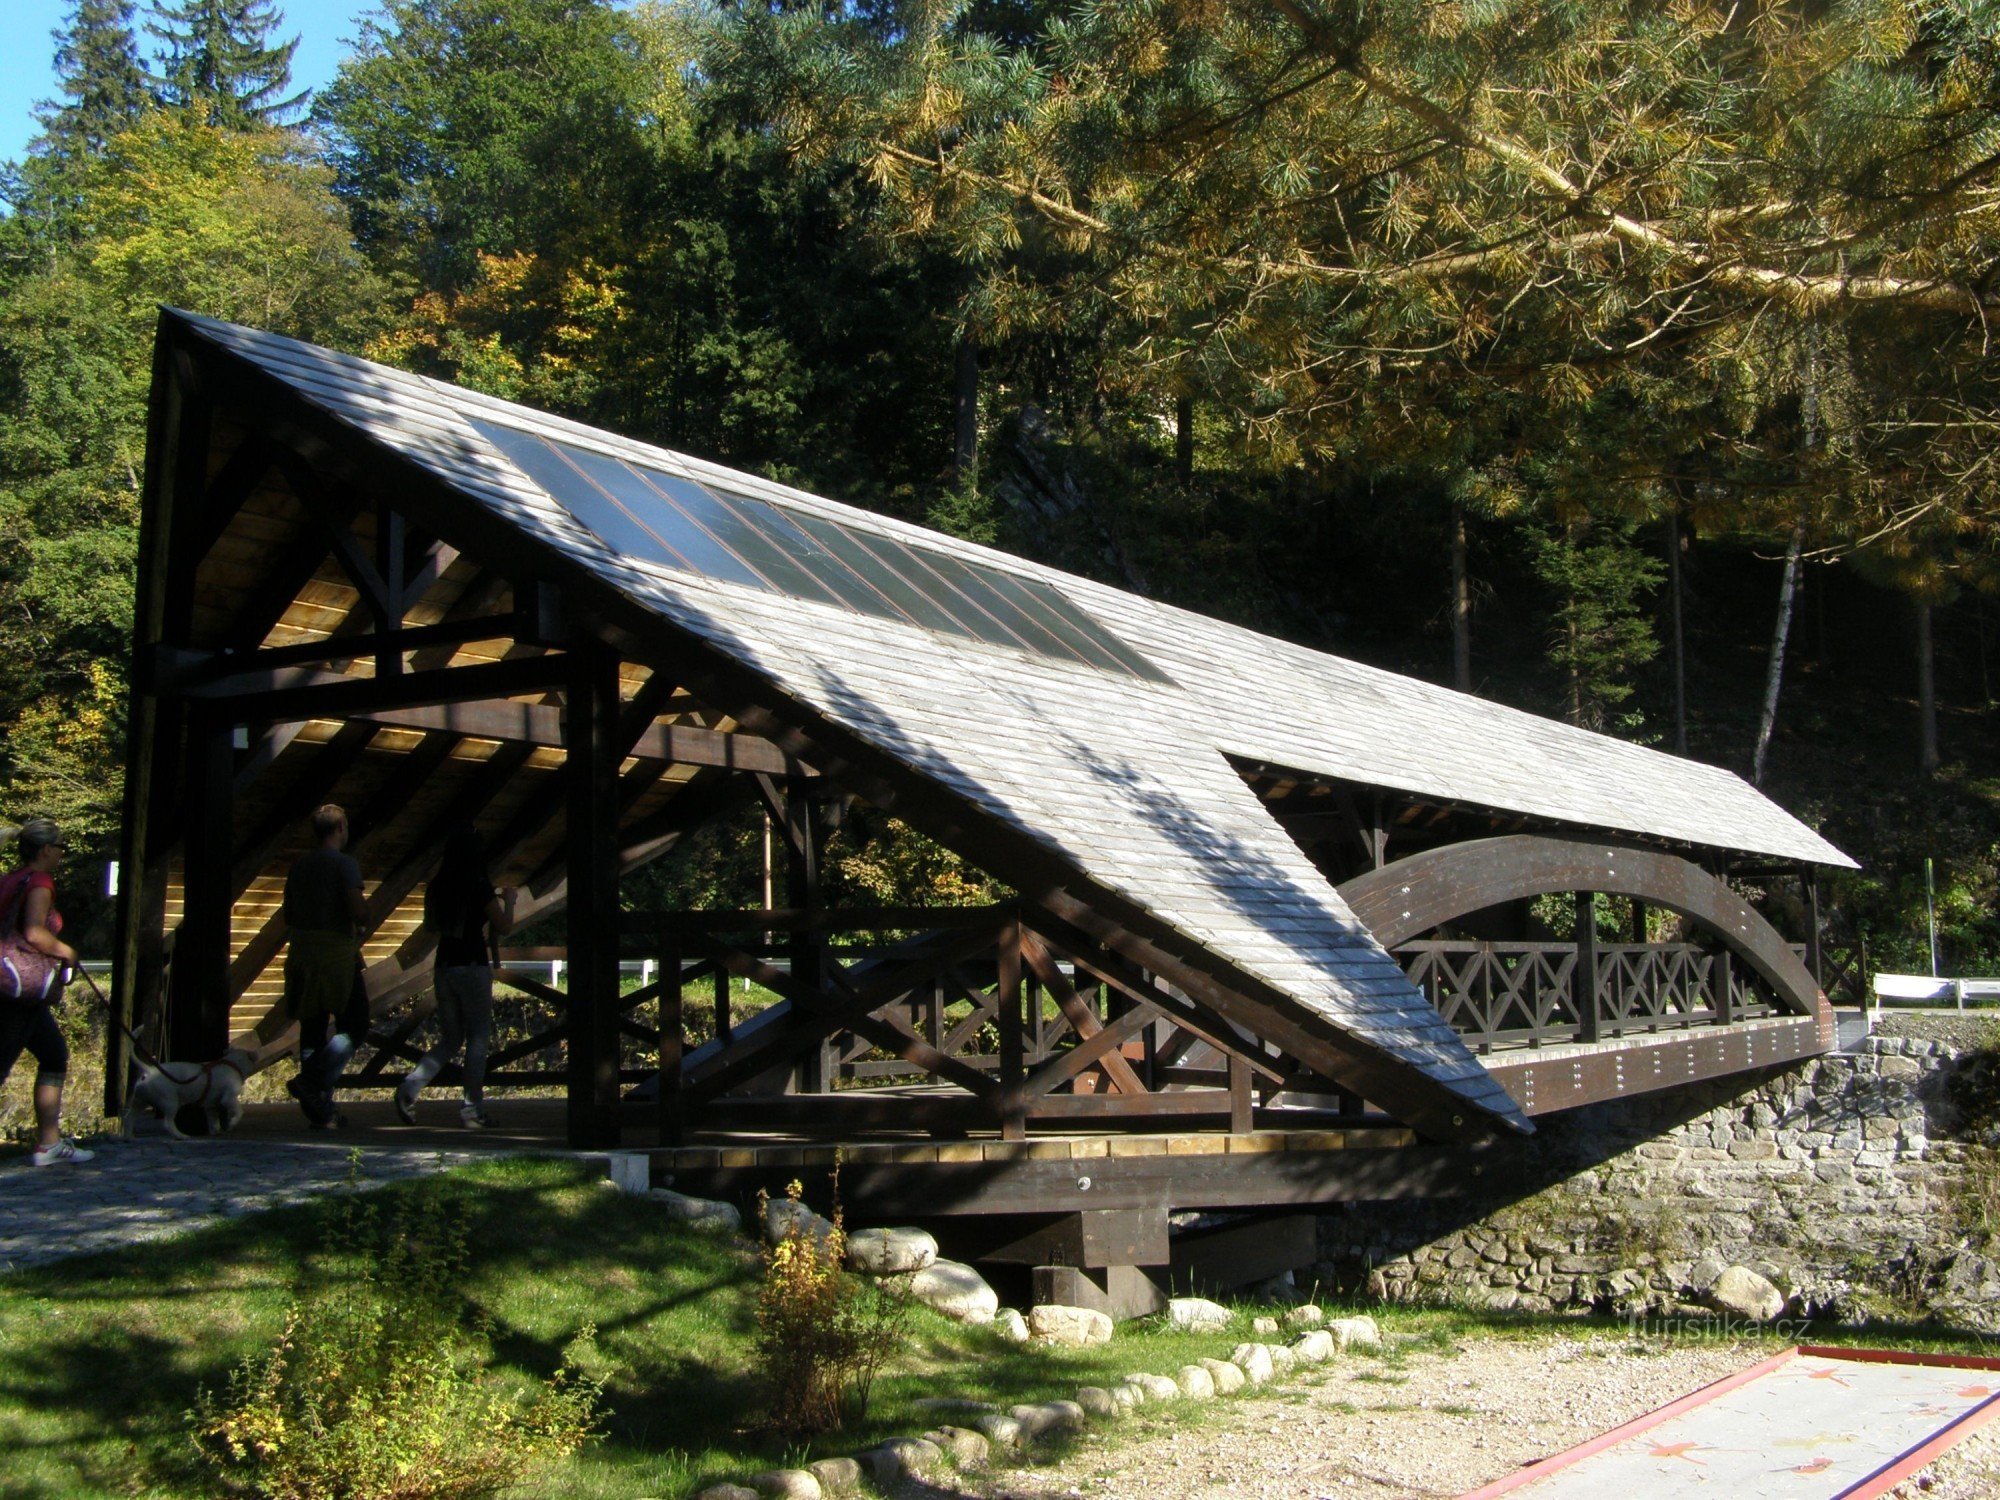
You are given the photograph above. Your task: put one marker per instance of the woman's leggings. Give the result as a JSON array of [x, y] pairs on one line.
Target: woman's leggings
[[465, 1017], [32, 1028]]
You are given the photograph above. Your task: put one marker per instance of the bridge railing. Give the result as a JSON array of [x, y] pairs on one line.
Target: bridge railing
[[1525, 994]]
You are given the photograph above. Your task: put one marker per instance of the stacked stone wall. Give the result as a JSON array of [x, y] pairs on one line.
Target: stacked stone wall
[[1843, 1180]]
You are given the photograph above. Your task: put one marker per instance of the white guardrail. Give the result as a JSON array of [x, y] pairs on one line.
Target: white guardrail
[[1923, 989]]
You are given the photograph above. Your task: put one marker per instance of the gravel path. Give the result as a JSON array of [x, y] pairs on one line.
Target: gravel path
[[153, 1188], [1427, 1425]]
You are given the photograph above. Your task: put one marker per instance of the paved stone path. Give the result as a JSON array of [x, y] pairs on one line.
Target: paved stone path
[[153, 1188]]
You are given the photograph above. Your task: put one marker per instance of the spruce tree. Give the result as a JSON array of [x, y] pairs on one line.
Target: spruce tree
[[221, 61], [103, 85]]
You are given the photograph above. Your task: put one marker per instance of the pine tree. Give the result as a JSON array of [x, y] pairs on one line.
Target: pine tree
[[104, 87], [221, 61]]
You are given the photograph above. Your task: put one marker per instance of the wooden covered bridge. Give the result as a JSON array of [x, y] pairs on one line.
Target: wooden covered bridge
[[1268, 906]]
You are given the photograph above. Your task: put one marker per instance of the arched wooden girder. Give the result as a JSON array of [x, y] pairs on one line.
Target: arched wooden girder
[[1402, 900]]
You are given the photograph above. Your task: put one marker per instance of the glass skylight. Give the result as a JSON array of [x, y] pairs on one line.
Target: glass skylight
[[718, 533]]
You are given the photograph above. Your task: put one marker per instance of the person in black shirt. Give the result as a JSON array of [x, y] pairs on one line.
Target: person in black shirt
[[467, 914], [323, 913]]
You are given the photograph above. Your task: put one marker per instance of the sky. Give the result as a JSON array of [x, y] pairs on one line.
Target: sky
[[27, 62]]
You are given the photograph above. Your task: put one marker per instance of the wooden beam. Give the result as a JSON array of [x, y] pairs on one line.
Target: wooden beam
[[200, 993], [1082, 1020], [286, 693], [590, 771]]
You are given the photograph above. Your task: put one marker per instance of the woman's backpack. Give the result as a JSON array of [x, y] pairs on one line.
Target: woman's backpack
[[28, 976]]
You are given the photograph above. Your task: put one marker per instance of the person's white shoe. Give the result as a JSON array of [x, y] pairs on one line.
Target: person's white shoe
[[64, 1150], [406, 1106]]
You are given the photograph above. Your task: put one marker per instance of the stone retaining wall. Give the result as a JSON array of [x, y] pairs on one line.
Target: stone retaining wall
[[1840, 1179]]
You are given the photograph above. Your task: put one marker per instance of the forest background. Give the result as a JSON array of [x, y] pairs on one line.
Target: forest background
[[1629, 363]]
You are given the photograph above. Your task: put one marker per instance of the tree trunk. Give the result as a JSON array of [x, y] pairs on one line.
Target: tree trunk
[[1774, 675], [1184, 441], [1461, 605], [965, 413], [1927, 728], [1678, 637]]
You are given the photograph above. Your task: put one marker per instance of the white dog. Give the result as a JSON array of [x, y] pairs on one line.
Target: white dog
[[215, 1087]]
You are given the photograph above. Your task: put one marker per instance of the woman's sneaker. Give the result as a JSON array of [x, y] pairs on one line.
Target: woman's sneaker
[[64, 1150], [472, 1117]]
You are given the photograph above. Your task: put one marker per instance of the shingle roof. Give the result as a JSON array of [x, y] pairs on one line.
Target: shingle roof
[[1122, 771]]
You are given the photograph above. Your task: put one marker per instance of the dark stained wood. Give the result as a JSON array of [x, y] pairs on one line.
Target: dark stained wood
[[1542, 1083], [1092, 1238], [285, 693], [1589, 1013], [199, 1022], [591, 730]]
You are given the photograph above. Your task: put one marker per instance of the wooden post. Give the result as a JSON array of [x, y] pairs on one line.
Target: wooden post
[[807, 944], [1723, 981], [725, 1026], [199, 1025], [590, 771], [1241, 1101], [1013, 1122], [1815, 956], [673, 1034], [1584, 979]]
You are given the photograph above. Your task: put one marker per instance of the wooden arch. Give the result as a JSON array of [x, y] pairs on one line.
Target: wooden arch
[[1402, 900]]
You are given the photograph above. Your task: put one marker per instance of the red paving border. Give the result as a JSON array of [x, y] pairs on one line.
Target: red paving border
[[1899, 1468]]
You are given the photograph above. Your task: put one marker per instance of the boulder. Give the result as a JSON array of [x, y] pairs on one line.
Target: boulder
[[786, 1484], [1254, 1360], [999, 1429], [966, 1448], [956, 1290], [1127, 1398], [890, 1252], [1314, 1347], [1045, 1417], [1228, 1378], [1742, 1293], [911, 1455], [1355, 1333], [883, 1465], [1305, 1315], [1097, 1401], [1197, 1315], [1196, 1383], [1054, 1323], [1011, 1326], [1154, 1387], [727, 1491], [1283, 1359], [836, 1476], [783, 1219], [710, 1215]]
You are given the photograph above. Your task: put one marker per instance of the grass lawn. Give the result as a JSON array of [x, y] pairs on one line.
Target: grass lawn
[[100, 1357]]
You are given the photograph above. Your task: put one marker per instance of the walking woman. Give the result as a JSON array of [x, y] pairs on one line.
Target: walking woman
[[467, 915], [27, 907]]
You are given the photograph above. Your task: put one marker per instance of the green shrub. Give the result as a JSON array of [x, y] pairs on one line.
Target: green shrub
[[373, 1391], [822, 1335]]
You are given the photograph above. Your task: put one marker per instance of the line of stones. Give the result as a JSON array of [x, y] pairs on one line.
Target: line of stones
[[988, 1431]]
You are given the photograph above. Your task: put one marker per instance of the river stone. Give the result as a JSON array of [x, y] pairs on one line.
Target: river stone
[[709, 1215], [1055, 1323], [1127, 1398], [836, 1476], [912, 1455], [1283, 1359], [966, 1448], [1096, 1400], [1154, 1387], [786, 1484], [1314, 1347], [727, 1491], [1355, 1333], [1011, 1326], [999, 1429], [1743, 1293], [956, 1290], [1263, 1325], [1254, 1360], [1228, 1378], [890, 1252], [1305, 1315], [1197, 1315], [784, 1219], [1195, 1382]]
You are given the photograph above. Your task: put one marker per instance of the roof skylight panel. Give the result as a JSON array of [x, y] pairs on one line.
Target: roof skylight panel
[[714, 532]]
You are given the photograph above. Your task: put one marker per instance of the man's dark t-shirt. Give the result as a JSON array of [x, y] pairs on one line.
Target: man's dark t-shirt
[[316, 892]]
